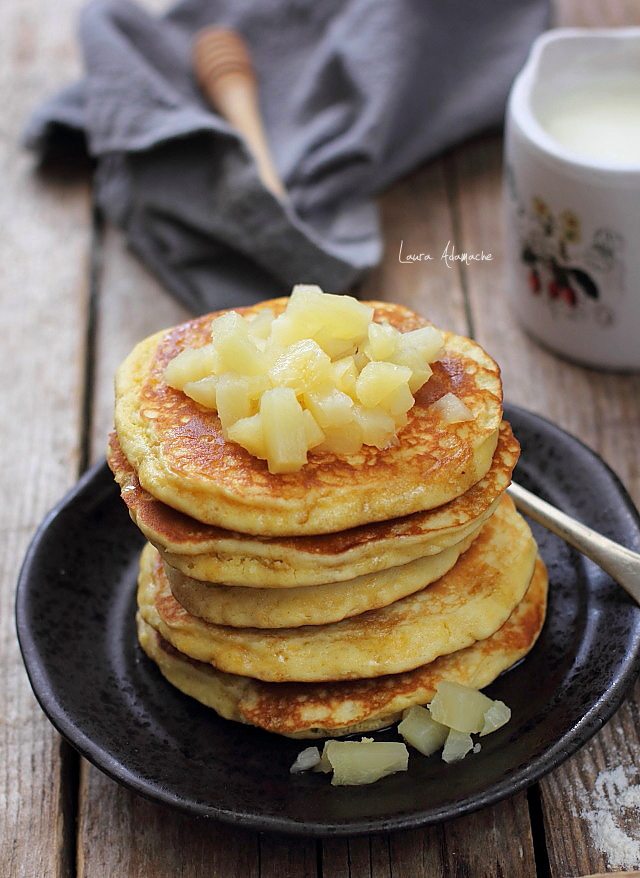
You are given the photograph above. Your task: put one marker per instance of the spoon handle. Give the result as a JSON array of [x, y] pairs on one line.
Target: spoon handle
[[620, 563]]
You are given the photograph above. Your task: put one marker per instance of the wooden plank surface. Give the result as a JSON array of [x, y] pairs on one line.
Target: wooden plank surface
[[132, 305], [120, 834], [44, 249], [44, 254], [595, 13], [417, 219], [604, 411], [419, 214], [492, 842]]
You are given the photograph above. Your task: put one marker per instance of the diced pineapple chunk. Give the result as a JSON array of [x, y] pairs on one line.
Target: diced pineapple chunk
[[382, 341], [360, 359], [342, 440], [419, 729], [271, 353], [399, 402], [259, 326], [457, 745], [284, 430], [421, 371], [362, 762], [331, 409], [495, 717], [229, 325], [305, 760], [427, 341], [256, 386], [378, 380], [416, 349], [419, 378], [451, 409], [313, 434], [236, 351], [203, 391], [248, 432], [233, 399], [459, 707], [344, 316], [303, 367], [344, 374], [335, 348], [191, 365], [323, 766], [284, 329], [310, 311], [377, 427]]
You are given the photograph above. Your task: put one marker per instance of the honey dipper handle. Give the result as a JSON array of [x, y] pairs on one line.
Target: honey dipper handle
[[225, 74], [620, 563]]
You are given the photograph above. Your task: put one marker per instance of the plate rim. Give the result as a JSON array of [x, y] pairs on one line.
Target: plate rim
[[567, 745]]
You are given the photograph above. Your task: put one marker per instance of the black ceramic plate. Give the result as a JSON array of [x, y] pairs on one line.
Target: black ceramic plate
[[75, 616]]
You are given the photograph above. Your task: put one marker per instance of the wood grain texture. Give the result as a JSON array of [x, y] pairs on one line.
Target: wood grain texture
[[490, 843], [120, 834], [44, 249], [417, 221], [356, 857], [419, 212], [44, 254], [282, 857], [604, 411], [132, 305], [595, 13]]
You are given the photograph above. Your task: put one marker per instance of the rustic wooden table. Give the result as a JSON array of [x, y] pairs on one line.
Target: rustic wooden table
[[73, 303]]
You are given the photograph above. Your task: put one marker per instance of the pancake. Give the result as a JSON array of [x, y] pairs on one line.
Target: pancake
[[309, 605], [212, 554], [469, 603], [178, 451], [313, 710]]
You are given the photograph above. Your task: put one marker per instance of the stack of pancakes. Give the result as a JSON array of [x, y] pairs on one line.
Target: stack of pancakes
[[328, 600]]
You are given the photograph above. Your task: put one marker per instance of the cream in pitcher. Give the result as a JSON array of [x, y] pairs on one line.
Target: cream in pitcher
[[597, 120], [572, 194]]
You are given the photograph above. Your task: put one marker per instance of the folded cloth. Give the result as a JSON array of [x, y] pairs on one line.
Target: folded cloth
[[354, 94]]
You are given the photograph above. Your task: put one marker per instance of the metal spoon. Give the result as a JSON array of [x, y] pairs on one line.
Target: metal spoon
[[620, 563]]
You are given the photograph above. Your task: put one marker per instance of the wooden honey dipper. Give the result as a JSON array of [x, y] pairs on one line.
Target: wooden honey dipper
[[226, 75]]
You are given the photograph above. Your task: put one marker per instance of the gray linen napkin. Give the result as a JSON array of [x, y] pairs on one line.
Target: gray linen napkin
[[354, 94]]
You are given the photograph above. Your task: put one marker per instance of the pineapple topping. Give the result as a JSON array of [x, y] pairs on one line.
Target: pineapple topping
[[320, 376], [455, 713], [354, 763]]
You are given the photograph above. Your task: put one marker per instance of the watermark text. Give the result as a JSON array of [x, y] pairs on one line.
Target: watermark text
[[450, 256]]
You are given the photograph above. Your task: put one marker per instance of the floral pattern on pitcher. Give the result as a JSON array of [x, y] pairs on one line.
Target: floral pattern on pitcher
[[564, 271]]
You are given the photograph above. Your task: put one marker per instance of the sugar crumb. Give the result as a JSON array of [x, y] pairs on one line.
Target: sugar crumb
[[613, 816]]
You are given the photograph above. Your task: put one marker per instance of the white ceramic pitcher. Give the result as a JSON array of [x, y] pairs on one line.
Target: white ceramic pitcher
[[572, 220]]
